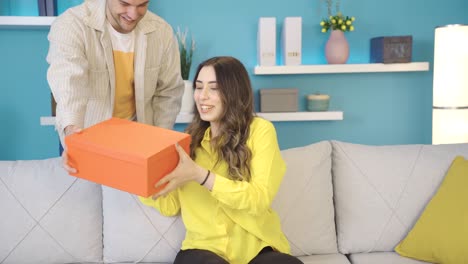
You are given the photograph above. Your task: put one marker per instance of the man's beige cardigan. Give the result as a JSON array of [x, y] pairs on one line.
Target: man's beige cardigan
[[82, 77]]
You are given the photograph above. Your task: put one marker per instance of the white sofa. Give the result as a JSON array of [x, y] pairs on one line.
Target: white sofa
[[339, 203]]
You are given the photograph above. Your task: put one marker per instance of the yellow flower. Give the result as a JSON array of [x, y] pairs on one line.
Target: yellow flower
[[337, 22]]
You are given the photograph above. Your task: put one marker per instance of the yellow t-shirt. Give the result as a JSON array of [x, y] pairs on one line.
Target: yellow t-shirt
[[235, 220], [123, 48]]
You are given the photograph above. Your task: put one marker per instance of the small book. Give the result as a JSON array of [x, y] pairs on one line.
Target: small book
[[41, 4], [51, 7]]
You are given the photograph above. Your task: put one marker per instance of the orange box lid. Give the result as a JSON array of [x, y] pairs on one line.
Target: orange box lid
[[125, 140]]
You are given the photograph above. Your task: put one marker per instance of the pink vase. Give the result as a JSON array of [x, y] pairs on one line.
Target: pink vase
[[337, 48]]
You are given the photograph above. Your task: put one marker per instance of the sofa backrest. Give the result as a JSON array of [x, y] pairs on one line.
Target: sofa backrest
[[48, 216], [380, 191]]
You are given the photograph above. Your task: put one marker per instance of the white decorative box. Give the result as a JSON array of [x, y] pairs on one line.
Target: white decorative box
[[292, 41], [266, 41]]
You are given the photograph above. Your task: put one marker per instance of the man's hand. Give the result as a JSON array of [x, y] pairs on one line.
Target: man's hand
[[71, 129]]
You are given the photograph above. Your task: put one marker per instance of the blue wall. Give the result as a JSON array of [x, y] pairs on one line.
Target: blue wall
[[379, 108]]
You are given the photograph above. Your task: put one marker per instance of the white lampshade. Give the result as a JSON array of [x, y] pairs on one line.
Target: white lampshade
[[450, 91]]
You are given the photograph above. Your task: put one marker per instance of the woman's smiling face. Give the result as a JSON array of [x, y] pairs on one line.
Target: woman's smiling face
[[207, 97]]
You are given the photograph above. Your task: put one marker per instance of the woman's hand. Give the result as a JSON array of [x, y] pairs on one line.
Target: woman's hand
[[186, 170]]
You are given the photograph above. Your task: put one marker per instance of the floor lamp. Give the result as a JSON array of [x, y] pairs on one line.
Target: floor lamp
[[450, 87]]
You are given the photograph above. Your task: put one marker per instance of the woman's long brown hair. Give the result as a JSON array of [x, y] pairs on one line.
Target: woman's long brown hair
[[235, 91]]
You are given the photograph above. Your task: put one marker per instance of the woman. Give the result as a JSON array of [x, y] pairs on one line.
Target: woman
[[224, 194]]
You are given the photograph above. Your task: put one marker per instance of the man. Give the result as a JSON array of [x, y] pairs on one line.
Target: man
[[113, 58]]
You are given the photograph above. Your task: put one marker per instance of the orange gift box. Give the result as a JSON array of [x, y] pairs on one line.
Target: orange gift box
[[125, 155]]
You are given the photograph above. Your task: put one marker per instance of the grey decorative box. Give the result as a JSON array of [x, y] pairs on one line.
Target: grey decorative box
[[278, 100], [395, 49]]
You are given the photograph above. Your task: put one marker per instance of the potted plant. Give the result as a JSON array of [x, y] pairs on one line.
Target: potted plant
[[337, 47], [337, 21], [186, 54]]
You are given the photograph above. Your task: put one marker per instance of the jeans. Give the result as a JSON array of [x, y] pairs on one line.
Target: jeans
[[265, 256]]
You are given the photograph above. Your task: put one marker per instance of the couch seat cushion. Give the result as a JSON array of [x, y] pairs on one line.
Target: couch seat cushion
[[47, 215], [313, 259], [380, 191], [382, 258], [325, 259]]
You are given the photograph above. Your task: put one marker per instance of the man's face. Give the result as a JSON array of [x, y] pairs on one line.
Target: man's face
[[124, 15]]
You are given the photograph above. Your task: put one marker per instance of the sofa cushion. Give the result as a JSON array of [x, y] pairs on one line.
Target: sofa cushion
[[325, 259], [380, 191], [315, 259], [47, 215], [305, 200], [441, 235], [382, 258], [134, 232]]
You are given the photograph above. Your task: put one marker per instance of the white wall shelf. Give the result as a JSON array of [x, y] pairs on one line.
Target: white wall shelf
[[342, 68], [26, 21], [303, 116], [181, 119], [274, 117]]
